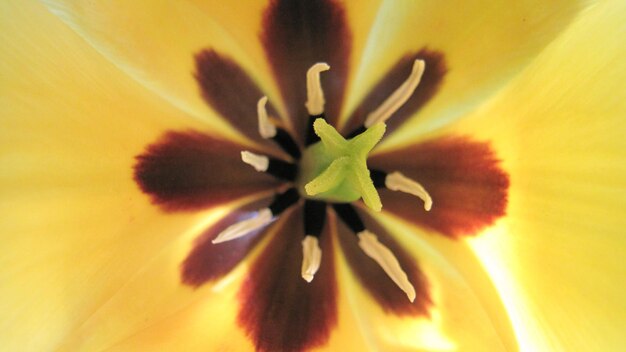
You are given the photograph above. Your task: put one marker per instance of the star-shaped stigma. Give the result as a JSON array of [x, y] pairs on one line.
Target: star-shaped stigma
[[341, 165]]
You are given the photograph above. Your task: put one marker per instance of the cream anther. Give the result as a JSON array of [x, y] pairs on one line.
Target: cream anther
[[262, 218], [311, 257], [266, 127], [398, 182], [315, 94], [399, 97], [387, 261], [259, 162]]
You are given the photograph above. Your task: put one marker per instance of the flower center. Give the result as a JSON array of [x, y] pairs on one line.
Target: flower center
[[335, 168], [332, 170]]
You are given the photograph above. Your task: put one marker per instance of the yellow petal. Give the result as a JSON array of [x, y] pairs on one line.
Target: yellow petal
[[557, 260], [154, 302], [484, 44], [466, 315], [75, 227], [155, 42], [195, 328], [240, 16], [154, 311]]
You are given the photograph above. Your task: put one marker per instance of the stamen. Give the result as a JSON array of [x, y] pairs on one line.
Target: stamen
[[374, 249], [311, 257], [263, 217], [387, 261], [314, 218], [286, 143], [399, 97], [284, 201], [259, 162], [275, 167], [378, 177], [315, 95], [398, 182], [349, 216], [311, 136], [266, 127], [268, 130]]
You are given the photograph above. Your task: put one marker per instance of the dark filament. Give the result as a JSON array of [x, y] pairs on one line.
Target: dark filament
[[286, 143], [283, 201], [314, 217], [349, 216], [378, 177], [311, 137], [282, 169]]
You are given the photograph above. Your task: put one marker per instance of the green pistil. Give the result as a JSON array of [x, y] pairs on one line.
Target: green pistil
[[335, 169]]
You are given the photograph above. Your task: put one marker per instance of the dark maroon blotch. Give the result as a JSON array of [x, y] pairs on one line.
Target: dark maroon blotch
[[374, 279], [431, 82], [230, 91], [298, 34], [191, 170], [464, 178], [279, 310], [208, 261]]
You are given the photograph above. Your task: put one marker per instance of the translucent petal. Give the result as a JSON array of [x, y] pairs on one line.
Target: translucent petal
[[240, 16], [156, 296], [483, 43], [155, 42], [195, 328], [557, 260], [75, 226], [465, 314]]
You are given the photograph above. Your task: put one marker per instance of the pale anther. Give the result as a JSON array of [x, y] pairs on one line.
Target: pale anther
[[315, 95], [262, 218], [266, 127], [311, 257], [259, 162], [398, 182], [387, 261], [399, 97]]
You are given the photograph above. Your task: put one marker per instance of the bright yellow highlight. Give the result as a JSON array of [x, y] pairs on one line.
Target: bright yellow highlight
[[557, 258]]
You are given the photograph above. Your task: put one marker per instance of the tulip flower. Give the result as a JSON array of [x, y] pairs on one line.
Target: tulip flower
[[300, 175]]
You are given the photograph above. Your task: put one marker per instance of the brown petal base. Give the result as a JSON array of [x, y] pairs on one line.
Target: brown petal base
[[187, 171], [464, 178], [279, 310]]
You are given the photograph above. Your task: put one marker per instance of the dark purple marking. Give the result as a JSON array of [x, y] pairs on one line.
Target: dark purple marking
[[279, 310], [189, 171], [464, 178], [374, 279], [207, 261], [429, 85], [228, 89], [298, 34]]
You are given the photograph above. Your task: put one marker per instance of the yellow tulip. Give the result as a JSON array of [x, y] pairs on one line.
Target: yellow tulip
[[130, 220]]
